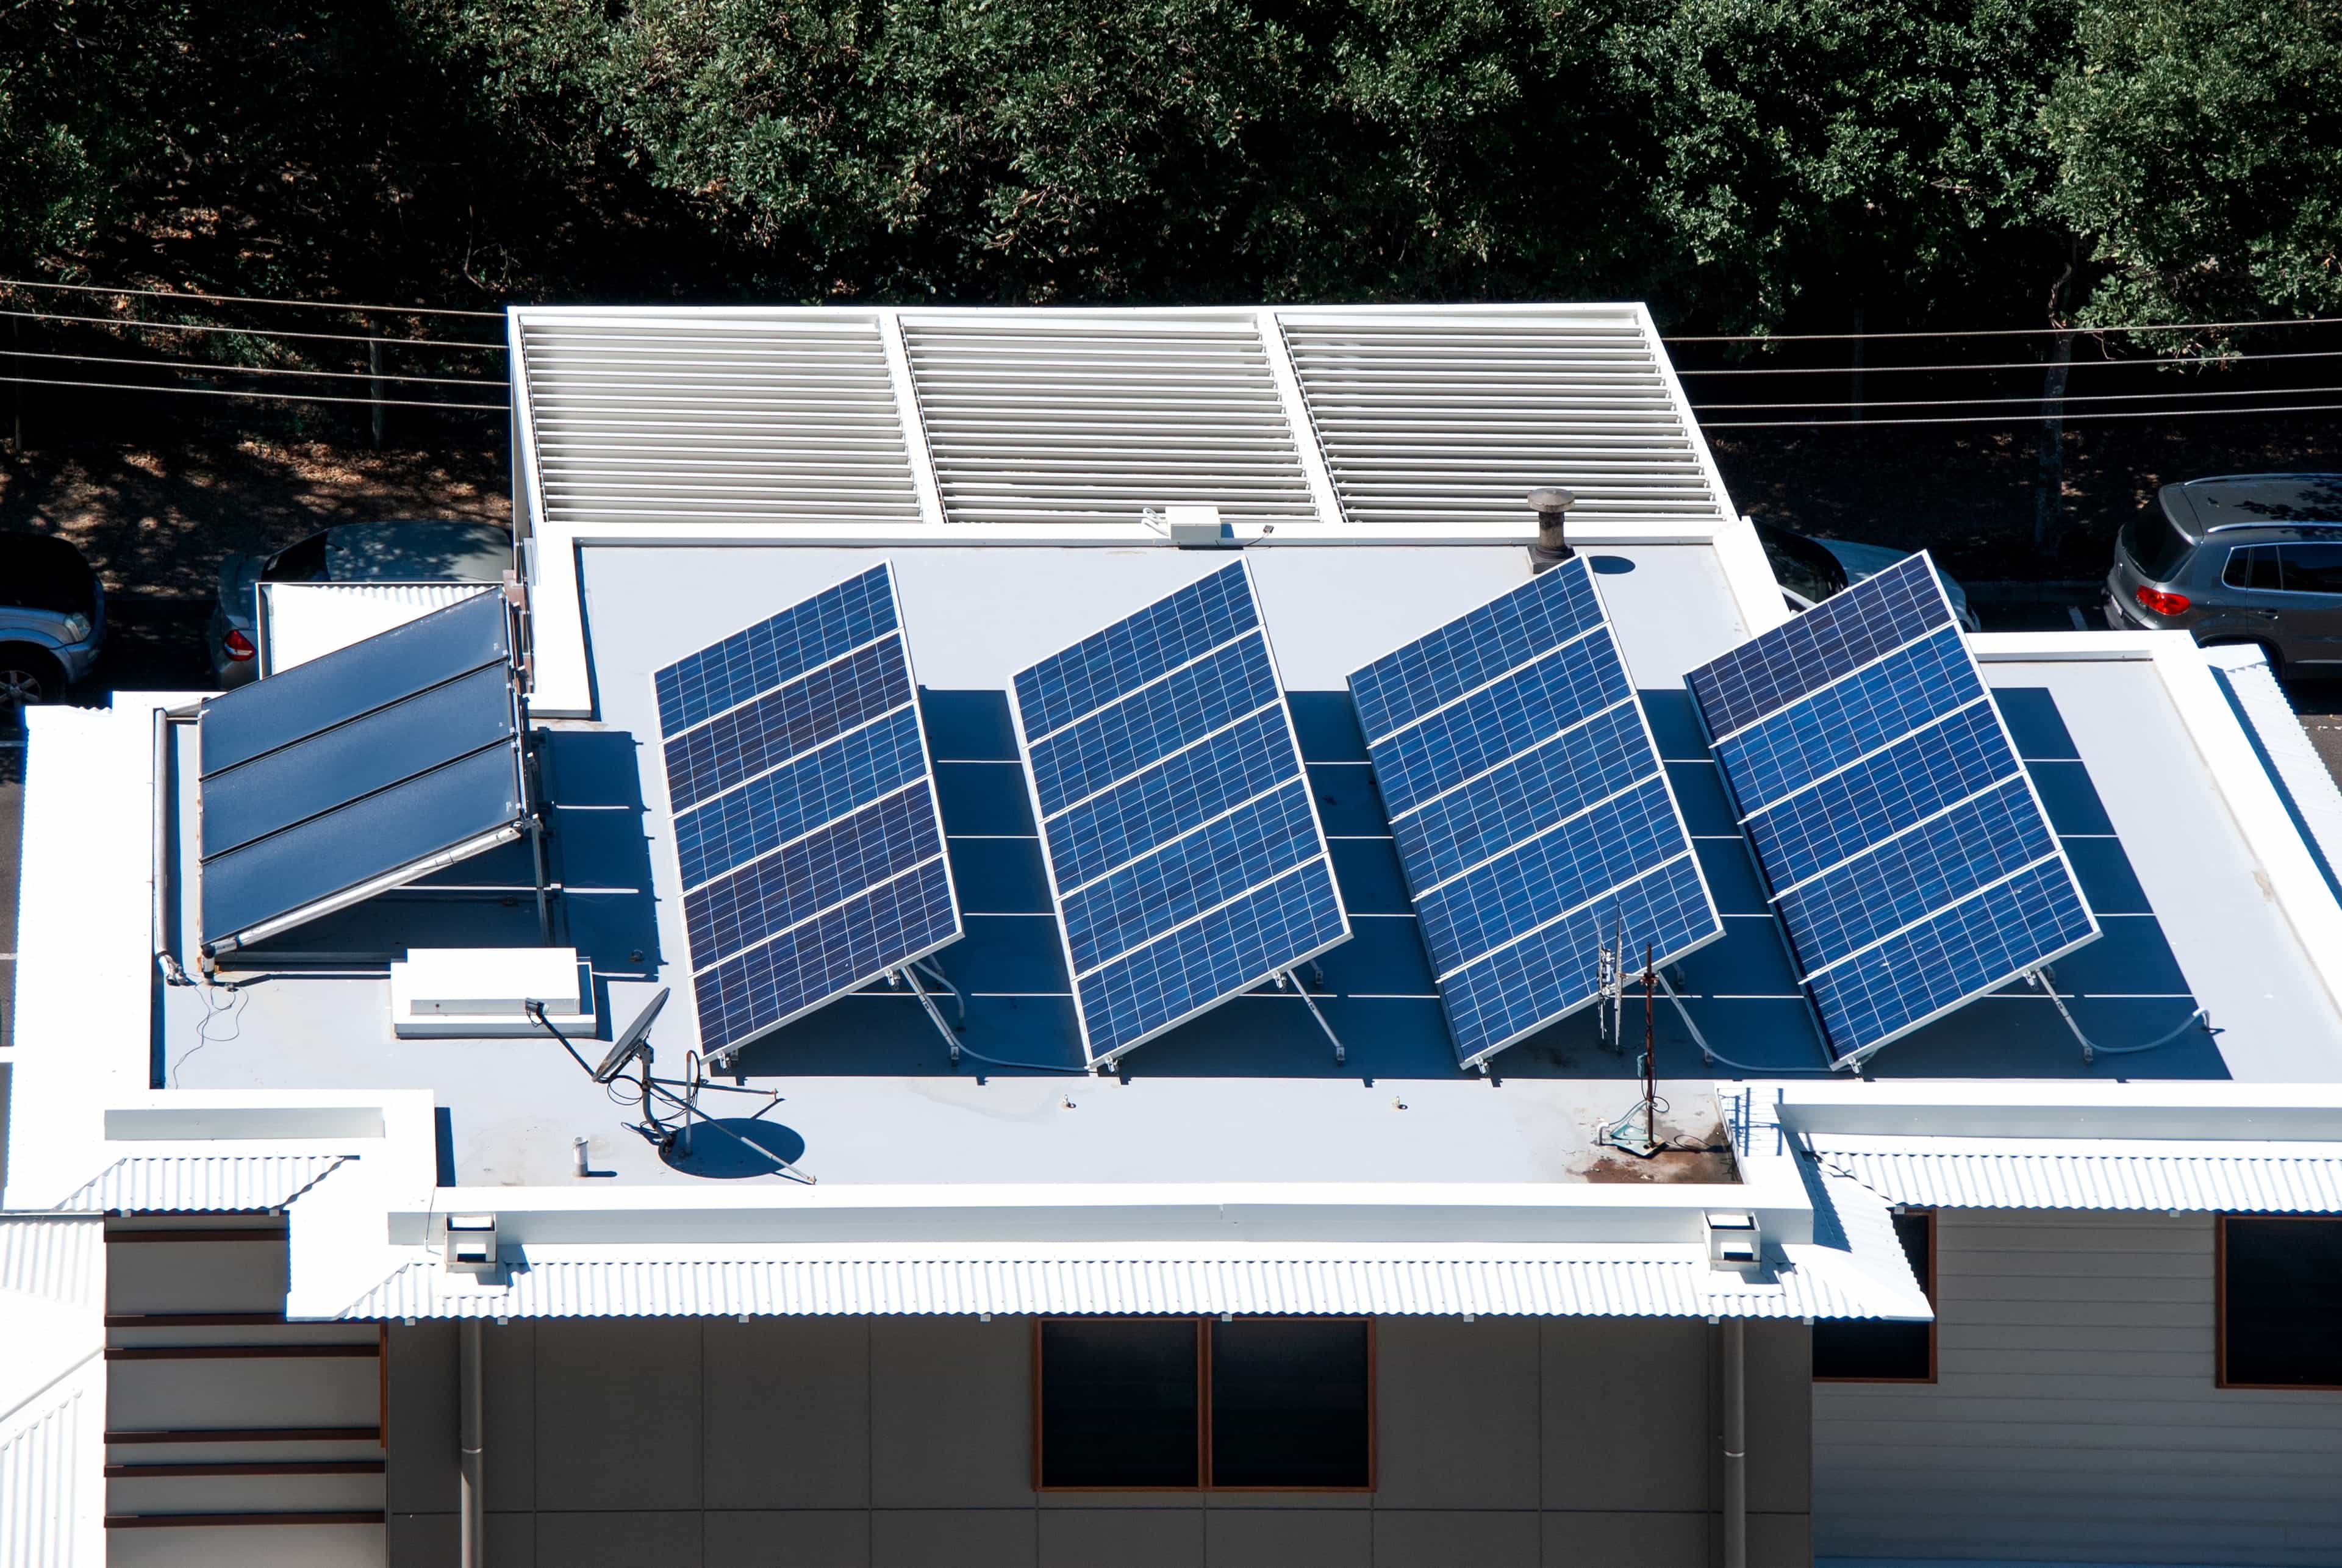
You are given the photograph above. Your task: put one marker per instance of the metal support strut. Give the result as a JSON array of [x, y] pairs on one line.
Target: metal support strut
[[1285, 977], [909, 975]]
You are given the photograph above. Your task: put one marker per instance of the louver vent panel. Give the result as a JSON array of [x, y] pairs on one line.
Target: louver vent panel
[[1083, 419], [1453, 417], [728, 420]]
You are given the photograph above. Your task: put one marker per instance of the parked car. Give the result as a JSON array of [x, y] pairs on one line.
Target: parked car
[[2238, 558], [1811, 570], [396, 551], [51, 619]]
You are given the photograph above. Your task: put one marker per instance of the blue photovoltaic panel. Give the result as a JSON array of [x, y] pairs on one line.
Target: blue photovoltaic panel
[[807, 834], [1907, 852], [1534, 823], [771, 653], [1182, 843]]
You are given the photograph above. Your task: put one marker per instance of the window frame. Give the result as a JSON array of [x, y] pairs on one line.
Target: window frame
[[1935, 1280], [2221, 1308], [1202, 1325]]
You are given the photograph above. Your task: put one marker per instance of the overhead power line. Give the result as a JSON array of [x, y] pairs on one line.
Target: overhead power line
[[208, 367], [2005, 330], [2208, 363], [249, 299], [2008, 418], [2040, 401], [118, 321], [273, 396]]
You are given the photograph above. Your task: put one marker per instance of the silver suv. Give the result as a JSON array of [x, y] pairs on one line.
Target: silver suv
[[2242, 558]]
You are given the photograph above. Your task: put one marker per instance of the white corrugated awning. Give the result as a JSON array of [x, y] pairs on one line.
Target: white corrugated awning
[[304, 621], [188, 1184], [1656, 1280], [2205, 1176]]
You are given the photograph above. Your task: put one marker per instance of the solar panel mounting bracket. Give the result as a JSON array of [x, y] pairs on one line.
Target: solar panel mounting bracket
[[907, 974], [1285, 978]]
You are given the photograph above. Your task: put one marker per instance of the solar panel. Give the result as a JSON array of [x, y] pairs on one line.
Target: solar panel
[[365, 769], [806, 827], [1185, 853], [1906, 850], [1534, 823]]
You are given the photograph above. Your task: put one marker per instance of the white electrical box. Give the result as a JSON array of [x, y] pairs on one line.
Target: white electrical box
[[469, 992], [1193, 525]]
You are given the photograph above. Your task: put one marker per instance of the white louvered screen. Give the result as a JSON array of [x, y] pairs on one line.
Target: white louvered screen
[[1083, 417], [717, 417], [1452, 416]]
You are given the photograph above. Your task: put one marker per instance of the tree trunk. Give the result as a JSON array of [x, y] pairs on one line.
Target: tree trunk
[[2049, 496]]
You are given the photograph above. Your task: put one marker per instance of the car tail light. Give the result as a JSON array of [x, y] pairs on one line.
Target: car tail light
[[2161, 603], [239, 646]]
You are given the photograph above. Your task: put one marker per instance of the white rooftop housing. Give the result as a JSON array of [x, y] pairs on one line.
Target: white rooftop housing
[[745, 969]]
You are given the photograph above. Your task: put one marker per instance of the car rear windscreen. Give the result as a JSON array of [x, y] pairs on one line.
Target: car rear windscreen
[[2155, 546], [42, 574]]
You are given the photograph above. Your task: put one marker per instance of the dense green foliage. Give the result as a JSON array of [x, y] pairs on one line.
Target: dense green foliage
[[1742, 164]]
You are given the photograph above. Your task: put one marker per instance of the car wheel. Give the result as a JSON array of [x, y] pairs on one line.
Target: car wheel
[[27, 675]]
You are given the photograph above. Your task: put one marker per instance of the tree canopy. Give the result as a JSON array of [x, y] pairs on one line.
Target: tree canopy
[[1745, 165]]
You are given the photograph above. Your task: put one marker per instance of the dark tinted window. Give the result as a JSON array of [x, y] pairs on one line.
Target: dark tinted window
[[2156, 547], [301, 562], [2312, 569], [1120, 1404], [1800, 564], [2252, 566], [40, 573], [2281, 1302], [1290, 1404], [1869, 1351]]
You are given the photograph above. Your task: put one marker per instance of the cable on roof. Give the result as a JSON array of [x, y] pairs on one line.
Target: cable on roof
[[2092, 1050], [2004, 331], [248, 330], [277, 396], [247, 299], [210, 366], [1032, 1066]]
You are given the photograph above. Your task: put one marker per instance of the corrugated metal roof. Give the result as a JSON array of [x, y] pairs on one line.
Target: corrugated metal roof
[[1993, 1173], [61, 1258], [304, 621], [660, 416], [614, 1281], [190, 1183], [51, 1475], [1434, 416]]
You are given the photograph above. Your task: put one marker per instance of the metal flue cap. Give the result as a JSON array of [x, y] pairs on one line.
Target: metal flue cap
[[1551, 503]]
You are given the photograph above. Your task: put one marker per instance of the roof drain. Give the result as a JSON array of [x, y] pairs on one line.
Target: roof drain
[[1551, 503]]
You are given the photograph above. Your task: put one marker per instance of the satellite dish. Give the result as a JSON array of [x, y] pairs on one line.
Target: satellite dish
[[634, 1042]]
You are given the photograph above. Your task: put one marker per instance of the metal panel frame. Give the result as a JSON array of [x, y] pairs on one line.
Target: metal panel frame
[[1852, 1060], [1040, 825], [524, 780], [1674, 803], [926, 758]]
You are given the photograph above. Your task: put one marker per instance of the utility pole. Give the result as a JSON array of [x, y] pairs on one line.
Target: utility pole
[[374, 367]]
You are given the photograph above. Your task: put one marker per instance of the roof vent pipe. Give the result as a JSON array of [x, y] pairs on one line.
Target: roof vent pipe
[[1551, 503]]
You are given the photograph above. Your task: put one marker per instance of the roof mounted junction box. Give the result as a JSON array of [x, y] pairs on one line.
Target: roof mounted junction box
[[470, 992]]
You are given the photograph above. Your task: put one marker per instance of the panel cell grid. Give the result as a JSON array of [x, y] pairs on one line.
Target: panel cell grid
[[1534, 821], [1182, 846], [1908, 853], [807, 834]]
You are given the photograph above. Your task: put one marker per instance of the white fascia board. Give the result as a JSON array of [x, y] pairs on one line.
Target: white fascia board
[[2079, 1111], [2290, 872], [85, 932]]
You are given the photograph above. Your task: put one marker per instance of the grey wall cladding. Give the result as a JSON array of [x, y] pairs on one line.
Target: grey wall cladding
[[904, 1442]]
